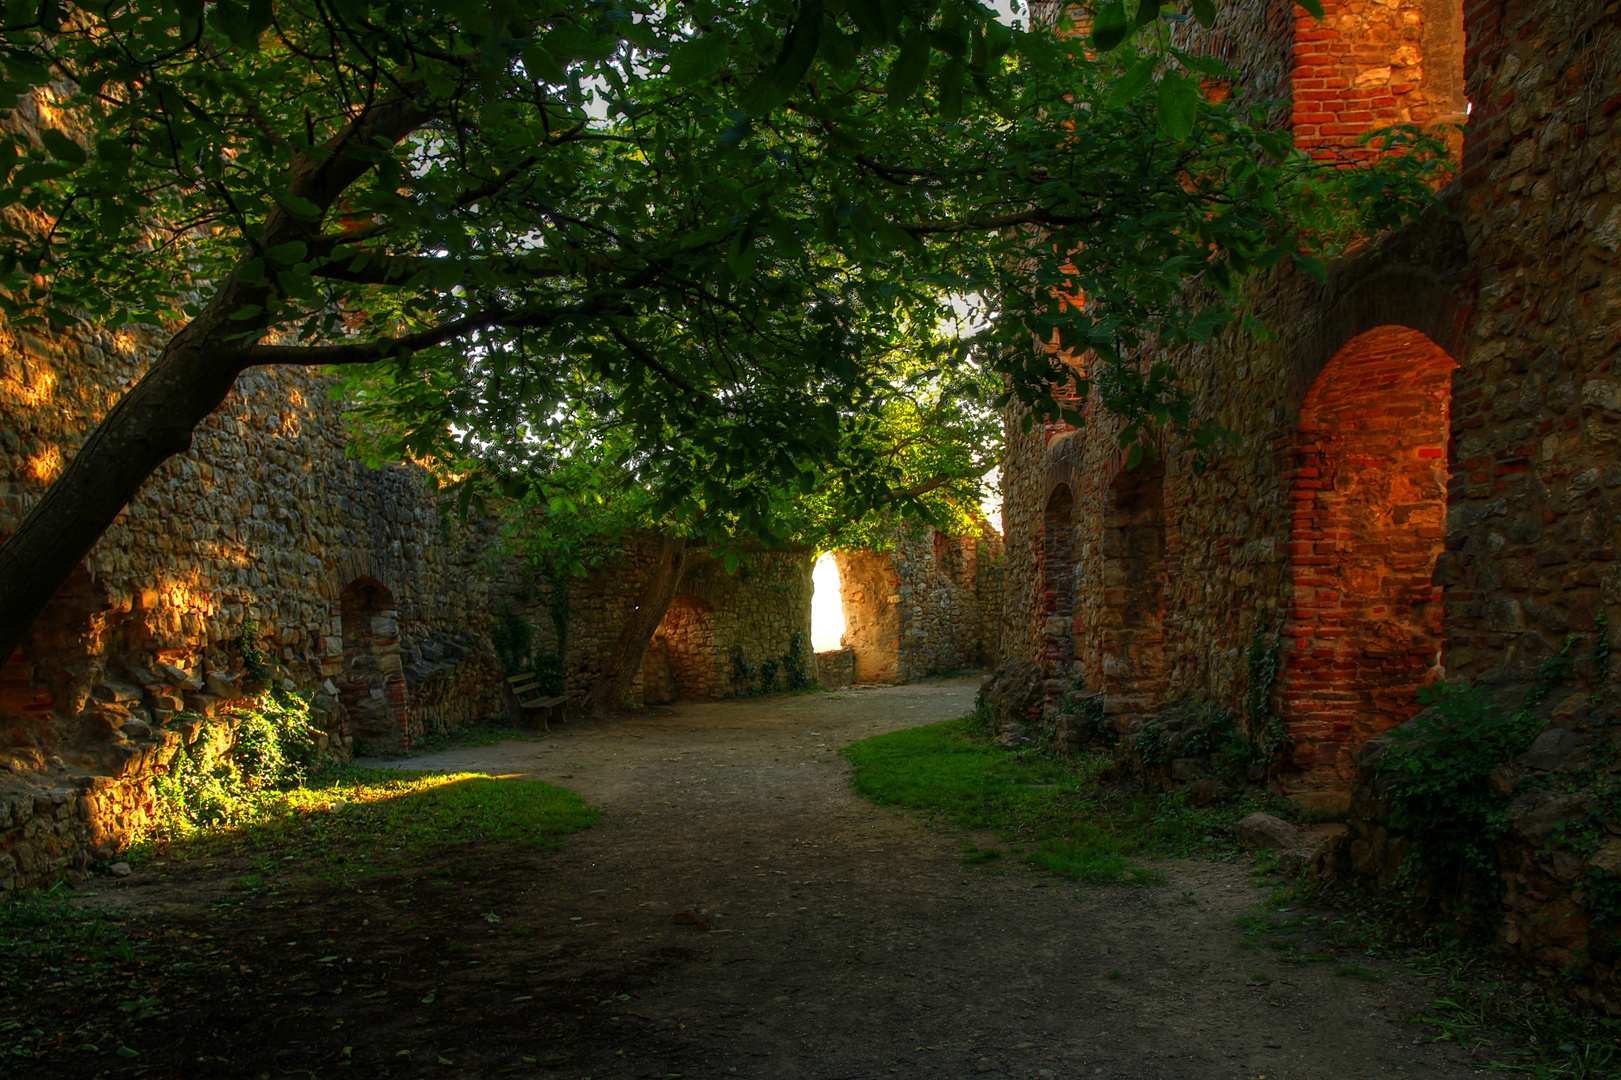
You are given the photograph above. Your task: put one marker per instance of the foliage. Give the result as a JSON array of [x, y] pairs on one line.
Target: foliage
[[254, 658], [1268, 734], [550, 674], [221, 780], [1064, 814], [365, 820], [1600, 652], [717, 251], [768, 676], [795, 670], [513, 639], [1444, 757]]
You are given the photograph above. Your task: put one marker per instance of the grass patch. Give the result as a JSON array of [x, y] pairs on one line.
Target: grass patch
[[1073, 821], [357, 820]]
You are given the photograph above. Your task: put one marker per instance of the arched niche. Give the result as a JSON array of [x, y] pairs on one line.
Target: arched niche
[[1364, 626], [1058, 583], [371, 685], [1133, 610]]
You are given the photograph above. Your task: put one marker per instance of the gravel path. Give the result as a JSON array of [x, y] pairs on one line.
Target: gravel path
[[847, 940]]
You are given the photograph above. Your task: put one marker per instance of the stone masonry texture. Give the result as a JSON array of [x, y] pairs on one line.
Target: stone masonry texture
[[1428, 483]]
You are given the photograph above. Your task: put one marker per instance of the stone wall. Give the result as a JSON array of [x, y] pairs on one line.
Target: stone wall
[[1429, 479], [927, 605]]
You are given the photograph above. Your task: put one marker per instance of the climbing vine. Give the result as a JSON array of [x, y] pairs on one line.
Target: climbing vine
[[794, 668], [1268, 735]]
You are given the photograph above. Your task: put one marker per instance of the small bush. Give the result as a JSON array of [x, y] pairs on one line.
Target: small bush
[[216, 781]]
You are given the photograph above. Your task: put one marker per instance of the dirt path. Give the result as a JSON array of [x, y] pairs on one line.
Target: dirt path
[[849, 941]]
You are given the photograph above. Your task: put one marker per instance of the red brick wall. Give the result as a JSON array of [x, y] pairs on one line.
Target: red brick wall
[[1366, 66], [1369, 492]]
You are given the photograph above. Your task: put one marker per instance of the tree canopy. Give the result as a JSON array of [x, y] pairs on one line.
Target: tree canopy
[[719, 246]]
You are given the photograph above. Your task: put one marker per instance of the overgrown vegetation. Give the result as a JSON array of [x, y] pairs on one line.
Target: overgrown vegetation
[[223, 778], [356, 820], [1068, 816], [751, 681], [1446, 799]]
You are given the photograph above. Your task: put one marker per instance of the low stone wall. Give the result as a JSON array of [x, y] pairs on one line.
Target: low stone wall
[[58, 821], [836, 668]]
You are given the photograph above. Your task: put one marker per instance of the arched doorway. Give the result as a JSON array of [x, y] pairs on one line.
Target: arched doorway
[[1364, 627], [372, 684], [1058, 584], [688, 635], [1133, 609]]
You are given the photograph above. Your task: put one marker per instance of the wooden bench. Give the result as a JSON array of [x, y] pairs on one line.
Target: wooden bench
[[526, 688]]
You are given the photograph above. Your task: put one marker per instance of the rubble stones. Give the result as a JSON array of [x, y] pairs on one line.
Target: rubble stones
[[1260, 830]]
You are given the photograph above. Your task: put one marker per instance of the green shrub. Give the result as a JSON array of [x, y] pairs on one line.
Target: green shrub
[[1444, 758], [218, 781]]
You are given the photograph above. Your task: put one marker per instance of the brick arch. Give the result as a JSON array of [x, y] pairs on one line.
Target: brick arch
[[1368, 483], [1134, 587], [371, 684], [1058, 583], [688, 633]]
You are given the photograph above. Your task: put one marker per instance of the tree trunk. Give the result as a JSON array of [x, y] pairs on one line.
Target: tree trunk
[[149, 425], [619, 667]]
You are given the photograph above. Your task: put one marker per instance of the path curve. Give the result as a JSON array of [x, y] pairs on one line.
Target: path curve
[[849, 941]]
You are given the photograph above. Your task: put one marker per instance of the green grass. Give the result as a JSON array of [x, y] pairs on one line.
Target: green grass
[[1072, 821], [366, 819]]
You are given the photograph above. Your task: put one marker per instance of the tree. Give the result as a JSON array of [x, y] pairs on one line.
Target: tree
[[720, 227], [927, 449]]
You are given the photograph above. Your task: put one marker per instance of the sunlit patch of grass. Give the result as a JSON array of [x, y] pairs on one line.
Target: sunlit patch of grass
[[1074, 822], [369, 818]]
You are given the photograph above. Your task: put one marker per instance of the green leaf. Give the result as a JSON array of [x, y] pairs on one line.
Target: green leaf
[[1131, 83], [298, 206], [1315, 7], [773, 86], [1147, 11], [1110, 26], [242, 25], [1205, 12], [998, 39], [695, 61], [839, 49], [951, 92], [906, 71], [289, 254], [62, 146], [1178, 105]]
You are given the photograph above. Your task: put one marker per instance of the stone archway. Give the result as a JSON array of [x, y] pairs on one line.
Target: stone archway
[[1058, 584], [371, 685], [1364, 627], [1133, 609]]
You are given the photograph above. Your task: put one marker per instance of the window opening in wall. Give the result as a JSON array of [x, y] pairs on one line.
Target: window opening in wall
[[1364, 630], [827, 606], [1133, 614], [686, 641], [372, 684], [1058, 583]]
